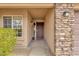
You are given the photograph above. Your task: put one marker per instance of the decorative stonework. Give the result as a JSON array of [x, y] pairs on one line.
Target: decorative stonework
[[64, 29]]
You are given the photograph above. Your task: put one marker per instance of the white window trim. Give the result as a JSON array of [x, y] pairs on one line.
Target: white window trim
[[12, 21]]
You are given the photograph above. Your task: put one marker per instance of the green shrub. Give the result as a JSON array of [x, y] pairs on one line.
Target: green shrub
[[7, 41]]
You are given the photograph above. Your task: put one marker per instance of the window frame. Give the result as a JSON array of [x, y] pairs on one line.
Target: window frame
[[12, 22], [3, 21]]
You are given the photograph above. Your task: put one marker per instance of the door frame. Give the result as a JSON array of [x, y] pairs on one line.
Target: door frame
[[35, 28]]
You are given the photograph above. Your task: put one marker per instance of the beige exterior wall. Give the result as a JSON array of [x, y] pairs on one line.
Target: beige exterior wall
[[49, 29], [26, 5], [29, 29], [21, 41]]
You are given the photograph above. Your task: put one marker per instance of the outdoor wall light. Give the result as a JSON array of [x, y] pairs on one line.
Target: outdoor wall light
[[66, 14]]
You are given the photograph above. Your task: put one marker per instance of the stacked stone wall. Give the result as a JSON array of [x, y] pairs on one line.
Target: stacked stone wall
[[63, 26]]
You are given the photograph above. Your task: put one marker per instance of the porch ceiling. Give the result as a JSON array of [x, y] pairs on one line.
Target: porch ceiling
[[26, 5], [38, 12]]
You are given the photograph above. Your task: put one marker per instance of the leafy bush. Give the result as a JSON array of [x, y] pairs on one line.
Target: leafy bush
[[7, 40]]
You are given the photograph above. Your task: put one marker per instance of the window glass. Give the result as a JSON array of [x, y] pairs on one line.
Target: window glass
[[19, 32], [7, 20], [15, 23]]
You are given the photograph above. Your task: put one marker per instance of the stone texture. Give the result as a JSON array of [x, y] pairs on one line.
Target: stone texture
[[76, 34], [64, 29]]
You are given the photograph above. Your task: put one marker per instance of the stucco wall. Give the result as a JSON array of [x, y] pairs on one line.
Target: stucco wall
[[49, 29], [29, 29], [21, 41]]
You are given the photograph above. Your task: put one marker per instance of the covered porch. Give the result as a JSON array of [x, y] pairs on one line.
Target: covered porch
[[31, 33]]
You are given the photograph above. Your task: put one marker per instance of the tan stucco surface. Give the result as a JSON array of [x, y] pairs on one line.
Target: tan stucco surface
[[28, 26], [26, 5], [21, 41], [49, 29], [29, 29]]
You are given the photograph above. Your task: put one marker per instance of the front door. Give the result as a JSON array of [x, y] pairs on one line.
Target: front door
[[39, 30]]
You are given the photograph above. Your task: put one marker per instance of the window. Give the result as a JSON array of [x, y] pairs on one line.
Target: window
[[17, 24], [14, 22], [7, 21]]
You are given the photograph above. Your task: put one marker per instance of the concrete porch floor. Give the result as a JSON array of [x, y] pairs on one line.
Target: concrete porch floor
[[35, 48]]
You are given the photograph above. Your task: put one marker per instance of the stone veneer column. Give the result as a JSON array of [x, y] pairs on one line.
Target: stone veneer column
[[63, 26]]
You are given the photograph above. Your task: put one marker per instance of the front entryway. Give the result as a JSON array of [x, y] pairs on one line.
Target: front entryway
[[39, 30], [39, 48]]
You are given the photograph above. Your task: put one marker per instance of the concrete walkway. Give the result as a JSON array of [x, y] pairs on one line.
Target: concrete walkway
[[39, 48], [35, 48]]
